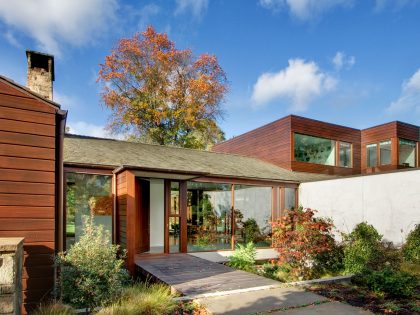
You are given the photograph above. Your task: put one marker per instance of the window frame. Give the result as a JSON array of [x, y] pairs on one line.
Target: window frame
[[379, 160], [416, 145]]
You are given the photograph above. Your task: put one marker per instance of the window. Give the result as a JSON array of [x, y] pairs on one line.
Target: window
[[345, 154], [314, 150], [253, 215], [371, 155], [385, 152], [87, 194], [289, 198], [174, 222], [209, 216], [407, 153]]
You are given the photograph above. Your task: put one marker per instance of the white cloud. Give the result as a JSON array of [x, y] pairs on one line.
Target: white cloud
[[341, 60], [409, 99], [10, 37], [300, 82], [305, 9], [146, 13], [65, 101], [52, 22], [196, 7], [92, 130]]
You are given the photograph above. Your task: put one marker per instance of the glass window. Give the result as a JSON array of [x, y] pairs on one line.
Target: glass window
[[87, 194], [345, 154], [371, 154], [253, 215], [314, 150], [407, 153], [289, 198], [174, 223], [209, 216], [385, 152]]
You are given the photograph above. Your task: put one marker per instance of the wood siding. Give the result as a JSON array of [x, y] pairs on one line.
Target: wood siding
[[122, 209], [28, 186], [270, 143]]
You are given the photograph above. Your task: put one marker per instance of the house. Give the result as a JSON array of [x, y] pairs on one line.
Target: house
[[158, 199], [306, 145]]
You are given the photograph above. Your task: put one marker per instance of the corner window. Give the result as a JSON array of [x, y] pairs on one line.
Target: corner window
[[87, 194], [314, 150], [407, 153], [289, 198], [385, 152], [345, 154], [371, 155]]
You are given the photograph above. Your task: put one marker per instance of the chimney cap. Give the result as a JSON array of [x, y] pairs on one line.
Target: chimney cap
[[31, 53]]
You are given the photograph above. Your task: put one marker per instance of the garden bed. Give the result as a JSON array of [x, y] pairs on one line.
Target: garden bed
[[362, 297]]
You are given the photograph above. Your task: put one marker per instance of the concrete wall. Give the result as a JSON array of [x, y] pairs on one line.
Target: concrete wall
[[390, 202], [11, 257], [157, 213]]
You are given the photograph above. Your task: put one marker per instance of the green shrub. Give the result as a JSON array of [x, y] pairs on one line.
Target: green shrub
[[388, 255], [144, 298], [330, 262], [54, 309], [91, 274], [270, 270], [243, 257], [362, 247], [389, 281], [411, 248]]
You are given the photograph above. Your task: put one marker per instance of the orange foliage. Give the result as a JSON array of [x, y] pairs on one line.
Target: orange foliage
[[163, 94]]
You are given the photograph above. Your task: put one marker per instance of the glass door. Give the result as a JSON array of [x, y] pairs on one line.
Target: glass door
[[174, 224]]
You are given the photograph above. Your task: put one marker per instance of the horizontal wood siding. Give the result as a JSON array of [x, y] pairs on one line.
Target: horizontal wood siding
[[329, 131], [27, 185], [407, 131], [270, 143], [122, 210]]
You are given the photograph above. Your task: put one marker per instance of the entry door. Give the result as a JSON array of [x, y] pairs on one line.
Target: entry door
[[143, 190]]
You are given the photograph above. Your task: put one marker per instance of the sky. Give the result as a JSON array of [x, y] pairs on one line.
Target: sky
[[349, 62]]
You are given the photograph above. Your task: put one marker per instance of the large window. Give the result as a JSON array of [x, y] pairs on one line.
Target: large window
[[385, 152], [209, 216], [314, 150], [253, 215], [371, 155], [174, 220], [345, 154], [87, 194], [289, 198], [407, 153]]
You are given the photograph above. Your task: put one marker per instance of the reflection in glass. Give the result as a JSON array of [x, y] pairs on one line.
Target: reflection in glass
[[371, 155], [174, 234], [407, 153], [87, 194], [314, 150], [289, 198], [174, 198], [345, 154], [209, 216], [385, 152], [253, 215]]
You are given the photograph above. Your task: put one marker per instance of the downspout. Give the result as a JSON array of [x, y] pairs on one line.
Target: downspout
[[61, 117]]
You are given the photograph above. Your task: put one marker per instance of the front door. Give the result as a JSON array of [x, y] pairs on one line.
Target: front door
[[143, 191]]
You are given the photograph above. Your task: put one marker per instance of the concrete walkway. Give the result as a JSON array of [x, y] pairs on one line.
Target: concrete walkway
[[224, 290]]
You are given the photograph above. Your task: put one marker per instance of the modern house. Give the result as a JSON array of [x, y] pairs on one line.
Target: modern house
[[157, 199]]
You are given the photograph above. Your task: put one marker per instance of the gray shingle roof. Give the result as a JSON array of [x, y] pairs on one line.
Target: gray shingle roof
[[116, 153]]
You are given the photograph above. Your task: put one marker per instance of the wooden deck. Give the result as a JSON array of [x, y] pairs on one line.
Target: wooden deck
[[194, 277]]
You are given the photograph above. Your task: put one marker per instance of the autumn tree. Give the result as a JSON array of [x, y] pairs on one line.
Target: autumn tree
[[161, 94]]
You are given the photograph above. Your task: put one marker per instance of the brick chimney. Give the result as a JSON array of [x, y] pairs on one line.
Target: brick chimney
[[40, 73]]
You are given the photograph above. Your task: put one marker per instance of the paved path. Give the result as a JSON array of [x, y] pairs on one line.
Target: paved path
[[224, 290]]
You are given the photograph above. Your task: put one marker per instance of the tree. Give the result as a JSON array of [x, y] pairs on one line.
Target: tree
[[161, 94]]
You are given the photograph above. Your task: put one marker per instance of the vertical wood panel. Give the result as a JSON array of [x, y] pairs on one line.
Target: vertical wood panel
[[183, 213]]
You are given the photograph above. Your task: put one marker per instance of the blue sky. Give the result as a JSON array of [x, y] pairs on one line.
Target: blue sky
[[351, 62]]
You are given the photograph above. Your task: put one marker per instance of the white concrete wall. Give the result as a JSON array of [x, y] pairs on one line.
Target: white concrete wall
[[157, 213], [390, 202]]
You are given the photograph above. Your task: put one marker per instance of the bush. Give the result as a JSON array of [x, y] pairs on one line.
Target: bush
[[243, 257], [411, 248], [362, 248], [299, 237], [394, 283], [388, 255], [54, 309], [143, 298], [91, 274], [330, 262]]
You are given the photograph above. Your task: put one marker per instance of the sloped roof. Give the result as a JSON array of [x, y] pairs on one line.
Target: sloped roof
[[82, 150], [28, 92]]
